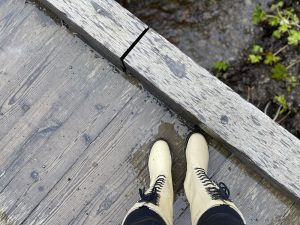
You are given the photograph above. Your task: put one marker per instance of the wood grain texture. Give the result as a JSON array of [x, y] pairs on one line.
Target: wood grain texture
[[57, 97], [17, 96], [12, 15], [260, 203], [76, 132], [92, 175], [106, 25], [191, 90], [247, 186], [291, 217], [122, 188]]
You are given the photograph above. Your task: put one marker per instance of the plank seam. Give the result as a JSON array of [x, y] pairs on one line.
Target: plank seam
[[131, 47]]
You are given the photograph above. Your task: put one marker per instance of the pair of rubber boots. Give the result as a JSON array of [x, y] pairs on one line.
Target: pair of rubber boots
[[206, 198]]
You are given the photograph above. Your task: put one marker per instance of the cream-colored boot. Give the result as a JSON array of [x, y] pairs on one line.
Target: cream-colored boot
[[202, 193], [159, 196]]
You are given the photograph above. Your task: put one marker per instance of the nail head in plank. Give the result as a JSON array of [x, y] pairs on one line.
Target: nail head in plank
[[191, 90], [105, 24]]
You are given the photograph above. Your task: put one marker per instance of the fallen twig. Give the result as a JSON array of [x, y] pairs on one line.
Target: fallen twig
[[277, 113], [283, 118], [266, 108]]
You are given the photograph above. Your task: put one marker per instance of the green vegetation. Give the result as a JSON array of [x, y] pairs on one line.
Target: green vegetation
[[256, 54], [282, 23], [294, 38], [271, 59], [258, 15], [220, 67], [279, 72], [283, 20], [281, 101], [284, 107], [285, 24], [285, 27]]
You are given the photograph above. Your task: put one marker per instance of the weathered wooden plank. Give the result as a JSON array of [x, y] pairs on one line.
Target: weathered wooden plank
[[63, 147], [86, 105], [11, 36], [291, 217], [91, 172], [119, 191], [25, 83], [54, 111], [126, 194], [192, 91], [106, 25], [123, 192], [9, 14], [43, 171], [18, 61], [54, 116], [61, 82], [260, 202], [29, 84], [225, 118]]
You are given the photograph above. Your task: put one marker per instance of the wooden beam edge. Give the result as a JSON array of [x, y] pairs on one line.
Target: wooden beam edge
[[201, 98], [104, 24]]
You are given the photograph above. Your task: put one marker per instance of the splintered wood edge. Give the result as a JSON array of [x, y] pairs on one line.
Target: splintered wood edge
[[104, 24], [197, 95]]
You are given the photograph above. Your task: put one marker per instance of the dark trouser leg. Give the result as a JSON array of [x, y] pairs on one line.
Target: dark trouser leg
[[143, 216], [220, 215]]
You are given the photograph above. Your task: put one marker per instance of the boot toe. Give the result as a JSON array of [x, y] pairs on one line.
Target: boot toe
[[160, 147], [197, 151], [160, 159]]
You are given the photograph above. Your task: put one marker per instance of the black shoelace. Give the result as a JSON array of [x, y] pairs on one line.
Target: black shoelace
[[153, 196], [217, 191]]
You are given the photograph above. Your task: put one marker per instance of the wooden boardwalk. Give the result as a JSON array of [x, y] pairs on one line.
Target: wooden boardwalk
[[186, 87], [75, 133]]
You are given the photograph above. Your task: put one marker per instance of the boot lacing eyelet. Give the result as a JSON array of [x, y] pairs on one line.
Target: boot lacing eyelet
[[153, 196], [216, 191]]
